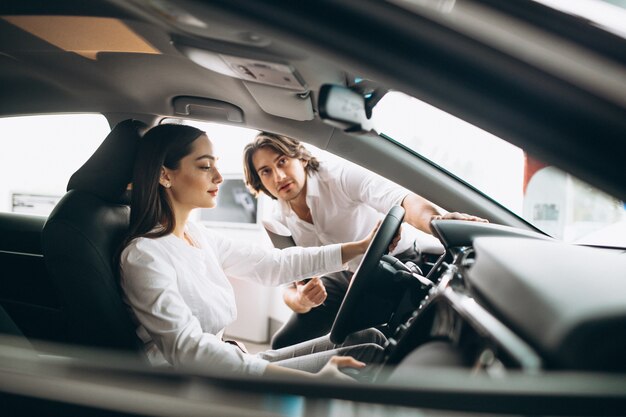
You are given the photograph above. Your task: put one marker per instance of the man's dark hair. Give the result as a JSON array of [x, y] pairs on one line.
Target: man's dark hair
[[283, 145]]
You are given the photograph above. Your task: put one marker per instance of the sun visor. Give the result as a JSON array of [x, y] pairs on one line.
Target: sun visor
[[281, 102]]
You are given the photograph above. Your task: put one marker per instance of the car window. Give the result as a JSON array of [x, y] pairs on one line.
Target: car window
[[545, 196], [32, 182]]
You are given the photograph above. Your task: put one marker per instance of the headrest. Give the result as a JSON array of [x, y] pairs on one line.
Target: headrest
[[108, 171]]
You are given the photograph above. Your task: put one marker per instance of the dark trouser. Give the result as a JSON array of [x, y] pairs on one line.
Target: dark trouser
[[319, 320]]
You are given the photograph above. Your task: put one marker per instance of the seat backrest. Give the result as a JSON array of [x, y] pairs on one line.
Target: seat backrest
[[81, 238], [10, 334]]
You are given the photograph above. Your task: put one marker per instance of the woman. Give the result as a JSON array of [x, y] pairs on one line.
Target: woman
[[174, 272]]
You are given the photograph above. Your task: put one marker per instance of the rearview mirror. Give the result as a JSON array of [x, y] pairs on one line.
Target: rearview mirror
[[343, 108]]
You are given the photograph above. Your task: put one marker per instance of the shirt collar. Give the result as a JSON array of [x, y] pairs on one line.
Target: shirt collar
[[312, 185]]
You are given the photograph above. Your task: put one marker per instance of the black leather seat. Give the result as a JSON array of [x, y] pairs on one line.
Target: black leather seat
[[10, 334], [80, 240]]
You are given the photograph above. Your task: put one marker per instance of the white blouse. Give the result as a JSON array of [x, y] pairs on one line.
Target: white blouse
[[182, 300]]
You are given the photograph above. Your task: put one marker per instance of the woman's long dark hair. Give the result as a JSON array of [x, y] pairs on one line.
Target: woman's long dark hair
[[162, 146]]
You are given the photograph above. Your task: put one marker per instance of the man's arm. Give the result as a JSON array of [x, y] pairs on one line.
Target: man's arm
[[381, 194], [419, 212]]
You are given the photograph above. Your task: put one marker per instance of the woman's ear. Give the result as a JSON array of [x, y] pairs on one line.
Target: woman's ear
[[164, 178], [304, 163]]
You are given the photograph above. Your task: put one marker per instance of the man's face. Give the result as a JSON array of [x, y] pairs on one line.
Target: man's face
[[284, 177]]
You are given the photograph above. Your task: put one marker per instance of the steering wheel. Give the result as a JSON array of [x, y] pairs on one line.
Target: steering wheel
[[356, 312]]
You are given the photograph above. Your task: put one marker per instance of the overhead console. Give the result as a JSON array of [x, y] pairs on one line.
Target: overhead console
[[276, 86]]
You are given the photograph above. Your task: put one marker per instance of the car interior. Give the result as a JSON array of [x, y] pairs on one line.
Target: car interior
[[504, 298]]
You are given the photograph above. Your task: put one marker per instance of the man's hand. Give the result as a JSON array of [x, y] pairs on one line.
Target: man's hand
[[305, 295], [458, 216], [421, 212], [311, 294]]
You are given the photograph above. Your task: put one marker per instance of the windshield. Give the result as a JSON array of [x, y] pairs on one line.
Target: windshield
[[552, 200]]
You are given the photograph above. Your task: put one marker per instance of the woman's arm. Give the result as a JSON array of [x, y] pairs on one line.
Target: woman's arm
[[351, 250], [249, 261]]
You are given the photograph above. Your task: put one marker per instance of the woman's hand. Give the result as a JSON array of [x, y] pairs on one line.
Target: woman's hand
[[365, 243], [353, 249], [394, 242], [331, 369]]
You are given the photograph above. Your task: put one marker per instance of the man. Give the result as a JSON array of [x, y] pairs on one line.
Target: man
[[324, 203]]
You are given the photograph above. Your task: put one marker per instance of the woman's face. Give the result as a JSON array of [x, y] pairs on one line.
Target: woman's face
[[194, 184]]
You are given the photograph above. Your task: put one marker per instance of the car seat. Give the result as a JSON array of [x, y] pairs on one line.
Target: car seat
[[83, 234], [10, 334]]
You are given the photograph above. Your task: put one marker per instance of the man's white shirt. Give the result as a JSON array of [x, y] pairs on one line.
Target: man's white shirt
[[346, 201]]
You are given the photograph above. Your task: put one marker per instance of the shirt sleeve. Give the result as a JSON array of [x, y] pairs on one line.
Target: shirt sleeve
[[274, 267], [371, 189], [149, 285]]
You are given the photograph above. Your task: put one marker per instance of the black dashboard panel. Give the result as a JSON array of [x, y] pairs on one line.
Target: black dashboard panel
[[456, 233], [555, 296]]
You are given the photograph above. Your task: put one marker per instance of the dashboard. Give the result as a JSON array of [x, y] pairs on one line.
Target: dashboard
[[501, 298]]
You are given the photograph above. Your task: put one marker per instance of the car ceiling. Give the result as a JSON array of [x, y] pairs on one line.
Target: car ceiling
[[537, 108], [69, 64]]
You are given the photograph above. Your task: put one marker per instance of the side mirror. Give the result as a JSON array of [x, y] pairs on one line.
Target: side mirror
[[343, 108]]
